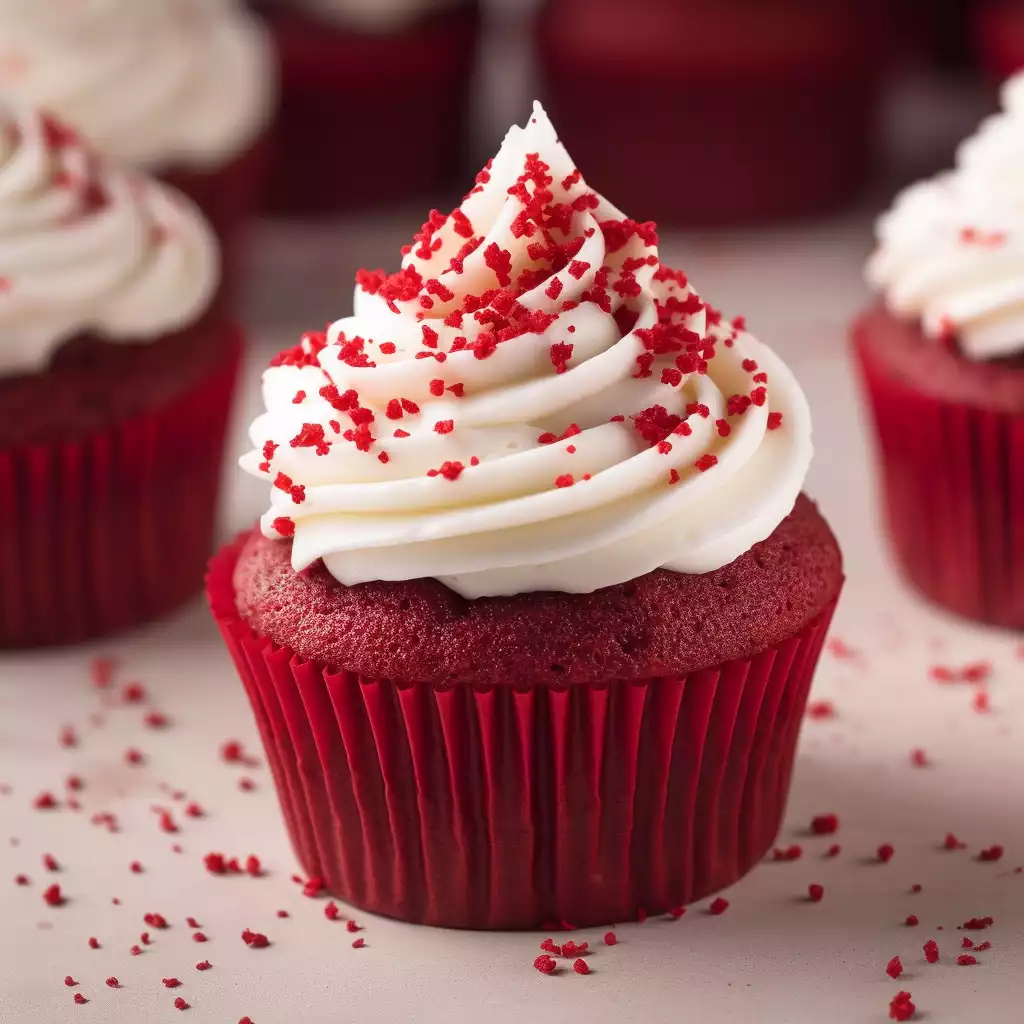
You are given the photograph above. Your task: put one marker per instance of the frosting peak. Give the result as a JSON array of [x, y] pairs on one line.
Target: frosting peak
[[153, 83], [532, 402], [951, 249], [87, 247]]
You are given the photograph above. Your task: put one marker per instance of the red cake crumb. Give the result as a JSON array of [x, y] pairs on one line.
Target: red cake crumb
[[966, 960], [194, 810], [192, 922], [171, 982], [610, 939], [180, 1004], [676, 912], [916, 887], [545, 964], [45, 802], [80, 999], [894, 968], [133, 693], [978, 923], [70, 982], [67, 737], [901, 1008], [21, 880], [351, 926], [50, 862], [134, 756], [112, 982], [793, 852], [52, 896], [982, 702], [94, 943], [359, 943], [199, 937], [155, 720], [824, 824], [991, 853], [74, 783], [919, 759], [931, 951], [885, 852], [145, 939], [834, 850], [718, 906], [135, 867], [821, 709], [156, 921], [982, 947], [815, 892], [581, 967], [233, 752], [911, 921], [135, 950], [331, 911], [255, 940], [571, 949], [203, 965], [967, 943], [952, 843], [246, 785]]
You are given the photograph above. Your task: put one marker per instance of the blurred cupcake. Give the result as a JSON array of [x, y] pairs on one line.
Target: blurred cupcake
[[943, 362], [530, 623], [999, 32], [762, 109], [116, 372], [182, 89], [395, 74]]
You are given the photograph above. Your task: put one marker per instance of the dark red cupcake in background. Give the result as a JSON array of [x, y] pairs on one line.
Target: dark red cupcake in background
[[116, 374], [999, 35], [529, 627], [374, 101], [179, 89], [943, 362], [756, 110]]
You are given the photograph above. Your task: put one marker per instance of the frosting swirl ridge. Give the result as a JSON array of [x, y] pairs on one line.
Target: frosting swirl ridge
[[532, 402]]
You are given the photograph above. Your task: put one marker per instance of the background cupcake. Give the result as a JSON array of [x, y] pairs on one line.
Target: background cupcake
[[116, 371], [375, 100], [943, 362], [182, 89], [782, 92], [537, 558]]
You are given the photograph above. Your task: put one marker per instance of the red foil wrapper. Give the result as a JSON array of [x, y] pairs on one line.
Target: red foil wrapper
[[368, 119], [512, 807], [113, 527], [953, 492]]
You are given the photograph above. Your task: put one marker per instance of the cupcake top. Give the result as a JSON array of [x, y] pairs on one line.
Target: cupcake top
[[153, 83], [374, 15], [86, 247], [951, 250], [532, 402]]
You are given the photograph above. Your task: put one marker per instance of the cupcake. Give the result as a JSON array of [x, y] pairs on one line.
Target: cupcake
[[763, 109], [529, 625], [116, 372], [396, 75], [942, 356], [181, 89]]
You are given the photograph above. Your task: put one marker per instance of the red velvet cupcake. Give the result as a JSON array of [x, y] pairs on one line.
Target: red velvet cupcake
[[180, 89], [943, 365], [116, 373], [761, 109], [394, 77], [530, 624]]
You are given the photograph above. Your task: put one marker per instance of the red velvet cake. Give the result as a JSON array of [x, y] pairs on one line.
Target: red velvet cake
[[114, 392], [760, 110], [529, 625], [369, 117], [943, 364]]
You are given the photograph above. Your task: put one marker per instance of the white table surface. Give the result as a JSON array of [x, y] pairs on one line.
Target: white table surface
[[772, 957]]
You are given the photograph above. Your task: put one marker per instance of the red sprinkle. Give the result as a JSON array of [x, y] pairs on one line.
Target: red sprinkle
[[824, 824], [580, 966], [894, 968], [885, 852], [718, 906], [901, 1008], [931, 951], [545, 964]]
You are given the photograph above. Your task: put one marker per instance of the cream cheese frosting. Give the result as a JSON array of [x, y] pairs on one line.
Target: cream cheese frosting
[[533, 402], [153, 83], [951, 249], [87, 247], [374, 15]]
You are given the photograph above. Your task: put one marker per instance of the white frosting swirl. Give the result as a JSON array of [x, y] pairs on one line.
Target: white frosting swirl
[[409, 442], [951, 250], [374, 15], [87, 247], [154, 83]]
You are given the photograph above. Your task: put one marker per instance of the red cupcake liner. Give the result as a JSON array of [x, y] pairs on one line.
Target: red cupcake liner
[[953, 493], [230, 198], [504, 807], [369, 119], [113, 527]]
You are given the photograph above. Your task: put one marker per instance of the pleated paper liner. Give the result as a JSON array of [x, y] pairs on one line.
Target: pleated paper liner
[[953, 493], [112, 528], [505, 807]]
